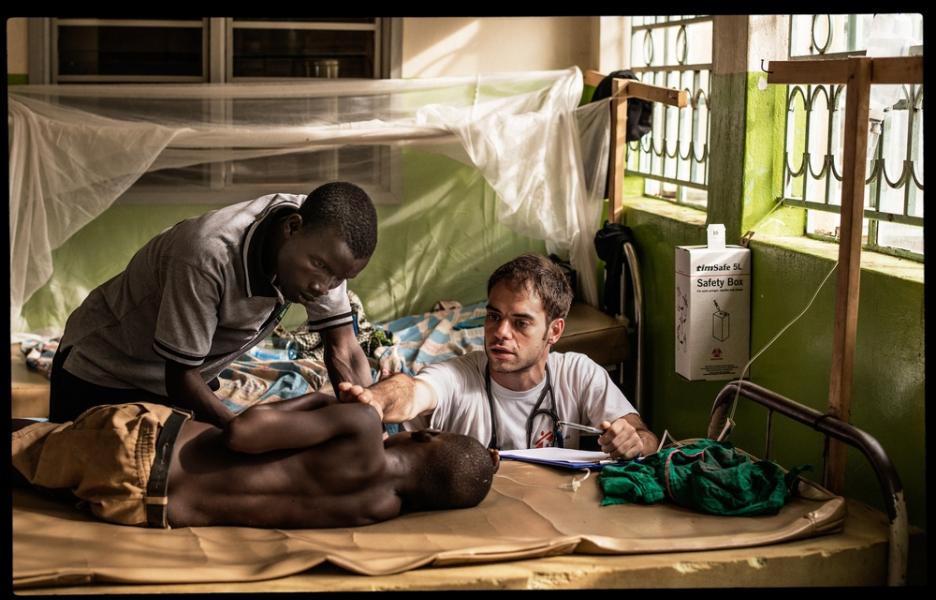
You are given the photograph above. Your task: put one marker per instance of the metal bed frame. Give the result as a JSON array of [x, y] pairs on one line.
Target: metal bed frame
[[720, 426]]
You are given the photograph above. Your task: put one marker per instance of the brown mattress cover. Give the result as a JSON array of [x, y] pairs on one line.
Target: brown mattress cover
[[527, 514]]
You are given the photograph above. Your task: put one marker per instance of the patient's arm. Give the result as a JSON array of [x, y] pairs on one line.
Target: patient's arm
[[259, 430], [397, 399], [312, 401], [186, 389]]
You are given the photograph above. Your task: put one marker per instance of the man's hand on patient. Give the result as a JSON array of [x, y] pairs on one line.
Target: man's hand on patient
[[349, 392], [620, 439]]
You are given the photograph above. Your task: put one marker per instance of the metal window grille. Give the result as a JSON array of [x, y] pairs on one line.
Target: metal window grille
[[893, 222], [674, 51]]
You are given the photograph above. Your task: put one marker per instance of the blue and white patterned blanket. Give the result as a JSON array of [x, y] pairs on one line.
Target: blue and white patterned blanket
[[432, 337], [419, 340]]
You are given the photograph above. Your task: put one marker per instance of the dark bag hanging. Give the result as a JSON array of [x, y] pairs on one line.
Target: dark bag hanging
[[609, 245], [639, 112], [569, 272]]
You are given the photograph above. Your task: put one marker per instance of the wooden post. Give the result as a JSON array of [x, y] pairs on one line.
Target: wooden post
[[621, 90], [857, 74], [854, 167], [618, 148], [592, 77]]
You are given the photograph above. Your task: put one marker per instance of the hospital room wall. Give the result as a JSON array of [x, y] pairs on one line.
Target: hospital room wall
[[452, 46], [888, 386], [437, 244], [16, 50]]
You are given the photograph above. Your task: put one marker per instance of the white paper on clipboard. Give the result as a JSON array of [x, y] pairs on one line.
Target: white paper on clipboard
[[566, 458]]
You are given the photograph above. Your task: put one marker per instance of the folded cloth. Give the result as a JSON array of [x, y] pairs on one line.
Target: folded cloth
[[706, 475], [39, 353]]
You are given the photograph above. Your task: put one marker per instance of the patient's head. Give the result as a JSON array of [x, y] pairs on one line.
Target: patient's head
[[450, 470]]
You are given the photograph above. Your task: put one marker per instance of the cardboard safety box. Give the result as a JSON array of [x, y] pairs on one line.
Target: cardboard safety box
[[713, 308]]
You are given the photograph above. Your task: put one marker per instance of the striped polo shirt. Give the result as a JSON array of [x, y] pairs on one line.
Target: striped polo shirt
[[195, 294]]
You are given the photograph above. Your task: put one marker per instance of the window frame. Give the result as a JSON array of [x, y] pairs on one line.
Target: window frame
[[57, 78], [696, 160], [876, 177], [217, 67], [217, 59]]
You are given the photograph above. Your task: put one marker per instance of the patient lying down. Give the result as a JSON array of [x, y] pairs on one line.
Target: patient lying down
[[301, 463]]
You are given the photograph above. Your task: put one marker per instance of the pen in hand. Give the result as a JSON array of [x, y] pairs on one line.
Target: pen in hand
[[584, 428]]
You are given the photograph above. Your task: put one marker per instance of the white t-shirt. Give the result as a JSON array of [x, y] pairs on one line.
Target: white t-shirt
[[582, 390]]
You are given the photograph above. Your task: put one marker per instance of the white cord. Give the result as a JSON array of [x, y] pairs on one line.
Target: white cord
[[872, 145], [734, 404], [575, 483]]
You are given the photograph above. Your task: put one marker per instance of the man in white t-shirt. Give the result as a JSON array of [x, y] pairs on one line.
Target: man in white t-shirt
[[515, 393]]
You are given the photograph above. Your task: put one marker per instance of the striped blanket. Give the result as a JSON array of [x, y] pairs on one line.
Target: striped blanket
[[250, 380], [417, 340], [449, 330]]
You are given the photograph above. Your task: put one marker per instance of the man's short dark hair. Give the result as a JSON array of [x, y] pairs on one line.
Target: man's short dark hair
[[348, 210], [458, 474], [541, 275]]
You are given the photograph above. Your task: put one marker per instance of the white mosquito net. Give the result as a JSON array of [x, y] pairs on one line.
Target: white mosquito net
[[76, 149]]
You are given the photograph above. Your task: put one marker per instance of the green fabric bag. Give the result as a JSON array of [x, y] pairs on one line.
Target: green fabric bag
[[706, 475]]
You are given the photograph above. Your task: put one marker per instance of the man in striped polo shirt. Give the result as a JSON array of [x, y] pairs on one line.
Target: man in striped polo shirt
[[208, 289]]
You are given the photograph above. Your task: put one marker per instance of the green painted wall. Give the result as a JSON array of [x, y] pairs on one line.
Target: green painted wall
[[888, 388], [441, 241], [888, 392], [97, 252], [725, 187], [888, 385]]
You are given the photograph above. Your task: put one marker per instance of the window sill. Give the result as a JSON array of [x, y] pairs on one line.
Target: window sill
[[883, 264], [667, 210]]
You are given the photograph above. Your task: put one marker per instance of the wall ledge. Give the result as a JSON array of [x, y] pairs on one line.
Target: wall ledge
[[883, 264], [665, 209]]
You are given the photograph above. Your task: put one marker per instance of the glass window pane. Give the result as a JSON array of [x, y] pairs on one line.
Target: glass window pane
[[296, 168], [303, 53], [676, 149], [195, 175], [98, 50], [309, 19], [897, 235]]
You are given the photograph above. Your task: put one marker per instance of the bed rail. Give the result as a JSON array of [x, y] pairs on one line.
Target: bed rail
[[633, 264], [829, 426]]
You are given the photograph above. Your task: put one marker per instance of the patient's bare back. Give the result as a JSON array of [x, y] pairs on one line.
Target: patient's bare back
[[339, 483]]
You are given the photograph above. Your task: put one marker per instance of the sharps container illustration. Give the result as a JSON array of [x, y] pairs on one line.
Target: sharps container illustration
[[721, 323]]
